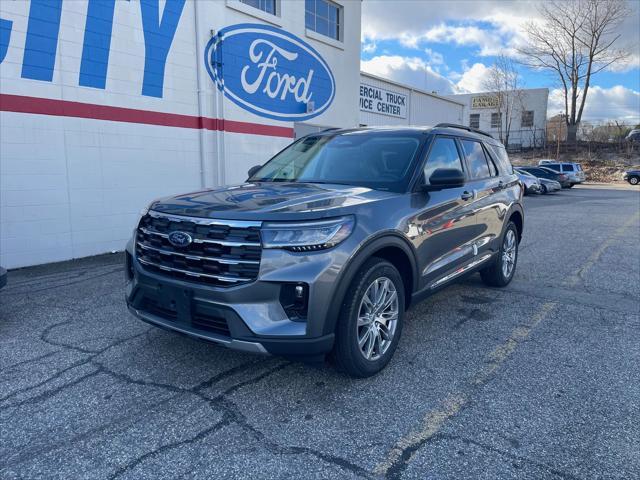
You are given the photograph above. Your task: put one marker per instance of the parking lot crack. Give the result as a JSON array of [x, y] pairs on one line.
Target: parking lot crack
[[29, 361], [57, 375], [170, 446], [50, 393], [468, 441], [44, 336]]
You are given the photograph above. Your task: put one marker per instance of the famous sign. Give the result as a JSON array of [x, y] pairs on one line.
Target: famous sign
[[385, 102], [270, 72]]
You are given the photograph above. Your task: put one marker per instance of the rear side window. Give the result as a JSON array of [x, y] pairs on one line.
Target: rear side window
[[567, 167], [555, 167], [443, 154], [478, 162], [500, 155]]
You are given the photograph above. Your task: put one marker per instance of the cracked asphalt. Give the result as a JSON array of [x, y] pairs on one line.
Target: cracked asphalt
[[538, 380]]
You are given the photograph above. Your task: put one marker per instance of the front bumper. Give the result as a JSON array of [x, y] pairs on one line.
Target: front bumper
[[248, 317]]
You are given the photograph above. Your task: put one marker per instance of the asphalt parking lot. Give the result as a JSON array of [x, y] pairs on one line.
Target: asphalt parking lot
[[538, 380]]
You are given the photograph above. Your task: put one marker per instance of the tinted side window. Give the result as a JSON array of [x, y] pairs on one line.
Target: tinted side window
[[493, 169], [500, 154], [477, 160], [554, 167], [567, 167], [443, 154]]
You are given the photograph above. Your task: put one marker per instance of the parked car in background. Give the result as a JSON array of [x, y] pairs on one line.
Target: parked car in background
[[544, 172], [633, 136], [323, 247], [632, 176], [531, 183], [3, 277], [572, 170], [549, 186]]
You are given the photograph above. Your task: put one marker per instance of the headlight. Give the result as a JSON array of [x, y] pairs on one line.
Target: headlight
[[306, 236], [143, 212]]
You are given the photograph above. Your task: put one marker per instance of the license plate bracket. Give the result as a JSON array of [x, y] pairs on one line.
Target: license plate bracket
[[178, 299]]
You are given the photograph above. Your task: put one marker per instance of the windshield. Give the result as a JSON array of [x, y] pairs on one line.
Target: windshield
[[373, 159]]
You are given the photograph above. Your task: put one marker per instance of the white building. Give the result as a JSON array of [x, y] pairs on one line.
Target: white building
[[527, 119], [384, 102], [105, 105]]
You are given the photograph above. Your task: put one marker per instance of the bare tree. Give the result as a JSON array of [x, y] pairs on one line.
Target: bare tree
[[503, 83], [575, 40]]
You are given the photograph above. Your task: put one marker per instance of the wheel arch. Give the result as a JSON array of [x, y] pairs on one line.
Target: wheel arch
[[388, 246], [516, 215]]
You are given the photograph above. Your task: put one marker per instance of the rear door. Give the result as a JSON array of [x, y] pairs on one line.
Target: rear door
[[489, 205], [444, 224]]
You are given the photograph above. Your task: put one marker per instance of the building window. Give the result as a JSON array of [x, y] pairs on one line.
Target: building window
[[324, 17], [268, 6], [496, 120], [474, 120], [527, 118]]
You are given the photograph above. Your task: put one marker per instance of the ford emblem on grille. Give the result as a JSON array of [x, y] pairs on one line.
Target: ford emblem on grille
[[180, 239]]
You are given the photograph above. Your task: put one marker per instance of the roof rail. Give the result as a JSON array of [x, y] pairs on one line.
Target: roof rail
[[463, 127]]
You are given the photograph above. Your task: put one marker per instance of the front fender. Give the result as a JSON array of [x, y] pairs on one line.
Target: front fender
[[357, 259]]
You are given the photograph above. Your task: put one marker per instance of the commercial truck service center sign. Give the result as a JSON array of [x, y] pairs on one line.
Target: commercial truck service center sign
[[385, 102]]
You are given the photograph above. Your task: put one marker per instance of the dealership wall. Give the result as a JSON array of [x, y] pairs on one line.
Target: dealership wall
[[88, 138], [384, 102]]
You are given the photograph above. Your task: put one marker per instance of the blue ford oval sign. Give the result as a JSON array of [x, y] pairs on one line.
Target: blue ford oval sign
[[180, 239], [270, 72]]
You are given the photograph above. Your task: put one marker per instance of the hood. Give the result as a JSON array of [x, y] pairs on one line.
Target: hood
[[271, 201]]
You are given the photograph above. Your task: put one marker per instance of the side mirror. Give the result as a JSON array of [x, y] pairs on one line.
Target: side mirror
[[442, 178], [253, 170]]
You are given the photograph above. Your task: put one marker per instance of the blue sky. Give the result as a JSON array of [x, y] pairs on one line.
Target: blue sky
[[447, 46]]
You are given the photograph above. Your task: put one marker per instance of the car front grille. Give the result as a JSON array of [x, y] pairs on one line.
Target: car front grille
[[222, 253]]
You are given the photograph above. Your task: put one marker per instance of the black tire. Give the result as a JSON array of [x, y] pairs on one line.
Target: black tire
[[346, 354], [493, 275], [570, 185], [544, 190], [633, 180]]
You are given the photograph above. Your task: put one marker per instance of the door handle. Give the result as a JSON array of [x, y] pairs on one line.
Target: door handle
[[501, 185], [467, 195]]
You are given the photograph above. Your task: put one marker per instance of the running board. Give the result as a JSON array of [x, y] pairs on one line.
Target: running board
[[460, 271]]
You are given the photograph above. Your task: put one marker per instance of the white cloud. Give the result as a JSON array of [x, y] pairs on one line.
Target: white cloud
[[385, 19], [494, 26], [413, 71], [434, 58], [603, 104], [633, 61], [472, 79], [369, 47], [459, 35]]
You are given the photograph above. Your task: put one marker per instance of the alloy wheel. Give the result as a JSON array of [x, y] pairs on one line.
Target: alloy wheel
[[377, 318], [509, 253]]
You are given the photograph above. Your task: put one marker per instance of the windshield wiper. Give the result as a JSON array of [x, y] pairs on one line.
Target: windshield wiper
[[266, 180]]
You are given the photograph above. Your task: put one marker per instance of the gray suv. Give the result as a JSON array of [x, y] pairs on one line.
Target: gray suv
[[324, 247]]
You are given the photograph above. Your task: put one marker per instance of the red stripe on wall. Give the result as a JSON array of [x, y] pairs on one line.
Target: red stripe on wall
[[64, 108]]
